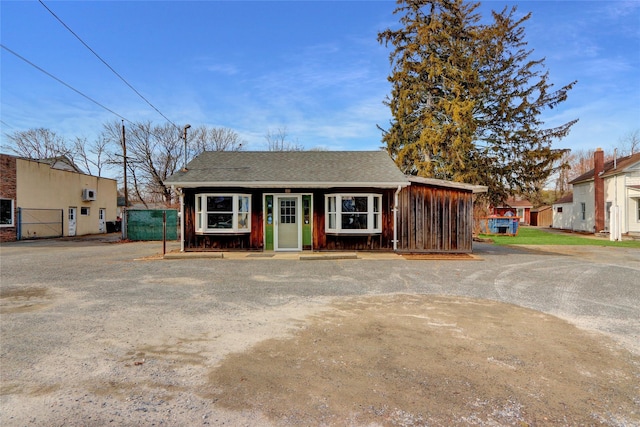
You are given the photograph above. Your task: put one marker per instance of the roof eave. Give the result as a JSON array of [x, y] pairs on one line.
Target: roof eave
[[265, 184], [449, 184]]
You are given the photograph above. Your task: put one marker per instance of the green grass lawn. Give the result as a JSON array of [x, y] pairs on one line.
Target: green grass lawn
[[534, 236]]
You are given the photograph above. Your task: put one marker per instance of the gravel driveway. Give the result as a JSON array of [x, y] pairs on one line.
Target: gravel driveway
[[96, 333]]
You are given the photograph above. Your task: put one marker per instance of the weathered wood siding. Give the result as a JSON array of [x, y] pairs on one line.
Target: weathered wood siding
[[542, 217], [435, 220]]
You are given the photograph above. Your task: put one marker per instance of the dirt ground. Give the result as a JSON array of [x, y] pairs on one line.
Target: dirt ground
[[137, 340], [416, 360]]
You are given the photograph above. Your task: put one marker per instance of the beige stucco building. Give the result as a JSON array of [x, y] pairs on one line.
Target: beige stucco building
[[52, 198]]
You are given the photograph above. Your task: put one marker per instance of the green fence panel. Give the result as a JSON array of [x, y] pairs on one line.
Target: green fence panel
[[147, 224]]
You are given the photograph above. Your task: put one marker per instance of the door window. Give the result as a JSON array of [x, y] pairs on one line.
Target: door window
[[287, 211]]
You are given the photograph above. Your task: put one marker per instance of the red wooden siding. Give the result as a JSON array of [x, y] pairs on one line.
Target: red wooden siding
[[255, 239]]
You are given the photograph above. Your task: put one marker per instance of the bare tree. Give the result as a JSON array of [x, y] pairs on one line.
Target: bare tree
[[155, 152], [278, 140], [630, 143], [92, 156], [562, 174], [213, 139], [39, 143]]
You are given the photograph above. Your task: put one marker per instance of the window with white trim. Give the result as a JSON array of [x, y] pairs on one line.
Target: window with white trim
[[223, 213], [353, 213], [6, 213]]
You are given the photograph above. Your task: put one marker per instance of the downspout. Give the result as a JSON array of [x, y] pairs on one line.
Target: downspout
[[395, 219], [181, 194]]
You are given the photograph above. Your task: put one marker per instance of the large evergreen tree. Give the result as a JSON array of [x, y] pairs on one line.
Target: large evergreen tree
[[466, 98]]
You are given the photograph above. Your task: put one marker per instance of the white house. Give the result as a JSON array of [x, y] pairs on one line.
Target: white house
[[607, 198], [563, 213]]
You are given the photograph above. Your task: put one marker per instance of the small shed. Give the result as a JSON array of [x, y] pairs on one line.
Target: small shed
[[542, 216], [436, 216]]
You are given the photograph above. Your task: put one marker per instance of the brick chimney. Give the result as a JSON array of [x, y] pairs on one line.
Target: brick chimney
[[598, 183]]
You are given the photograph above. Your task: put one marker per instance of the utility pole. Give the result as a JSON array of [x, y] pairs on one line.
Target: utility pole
[[123, 222], [187, 126], [124, 161]]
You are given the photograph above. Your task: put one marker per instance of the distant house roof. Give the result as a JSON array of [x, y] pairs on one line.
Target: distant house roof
[[612, 167], [541, 208], [61, 163], [448, 184], [567, 198], [295, 169], [516, 203]]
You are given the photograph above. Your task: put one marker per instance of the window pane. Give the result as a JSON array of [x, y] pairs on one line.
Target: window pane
[[243, 204], [354, 204], [376, 204], [376, 221], [243, 221], [332, 221], [220, 204], [354, 221], [332, 204], [6, 212], [219, 220], [287, 211]]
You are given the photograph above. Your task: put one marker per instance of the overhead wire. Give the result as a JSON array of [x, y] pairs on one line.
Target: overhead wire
[[62, 82], [107, 64]]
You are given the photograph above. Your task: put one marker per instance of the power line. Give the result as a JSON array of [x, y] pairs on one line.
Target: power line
[[63, 83], [138, 125], [107, 65]]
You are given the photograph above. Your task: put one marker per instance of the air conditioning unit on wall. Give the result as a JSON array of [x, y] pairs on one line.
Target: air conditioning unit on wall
[[88, 194]]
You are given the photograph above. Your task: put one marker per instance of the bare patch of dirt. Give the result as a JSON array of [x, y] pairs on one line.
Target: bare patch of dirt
[[422, 360], [18, 300]]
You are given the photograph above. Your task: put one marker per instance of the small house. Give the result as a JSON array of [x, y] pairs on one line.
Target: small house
[[515, 207], [315, 200]]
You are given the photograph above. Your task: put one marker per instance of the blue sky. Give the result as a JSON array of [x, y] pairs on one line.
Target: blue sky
[[314, 67]]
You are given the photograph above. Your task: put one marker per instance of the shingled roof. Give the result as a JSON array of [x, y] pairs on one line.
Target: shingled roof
[[612, 167], [295, 169]]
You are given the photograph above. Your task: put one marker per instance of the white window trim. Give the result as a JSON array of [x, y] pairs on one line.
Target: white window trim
[[201, 215], [338, 213], [13, 214]]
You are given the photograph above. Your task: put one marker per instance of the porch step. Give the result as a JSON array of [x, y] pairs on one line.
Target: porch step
[[327, 256]]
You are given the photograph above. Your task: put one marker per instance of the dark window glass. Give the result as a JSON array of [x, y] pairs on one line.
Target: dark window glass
[[6, 211], [219, 204], [219, 220]]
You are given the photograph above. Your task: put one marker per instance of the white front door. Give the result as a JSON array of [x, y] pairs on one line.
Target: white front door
[[72, 221], [101, 224], [288, 232]]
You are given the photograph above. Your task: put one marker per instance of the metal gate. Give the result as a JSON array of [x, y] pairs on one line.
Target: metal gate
[[39, 223], [147, 224]]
